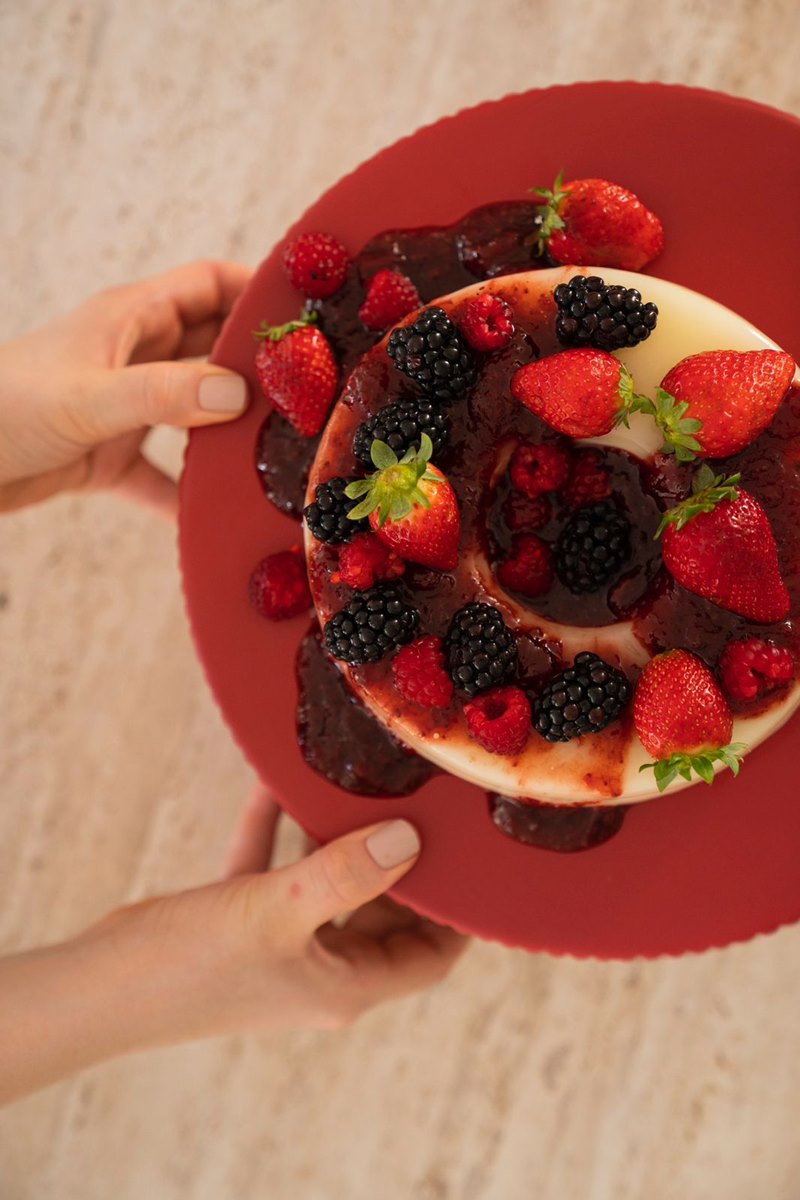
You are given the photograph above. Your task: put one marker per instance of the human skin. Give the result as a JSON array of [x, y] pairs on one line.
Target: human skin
[[310, 945]]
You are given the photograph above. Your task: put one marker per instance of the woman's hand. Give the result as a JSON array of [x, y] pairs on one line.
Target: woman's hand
[[78, 396], [311, 945]]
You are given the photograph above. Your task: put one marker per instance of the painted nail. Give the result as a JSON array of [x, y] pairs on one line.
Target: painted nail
[[222, 393], [394, 843]]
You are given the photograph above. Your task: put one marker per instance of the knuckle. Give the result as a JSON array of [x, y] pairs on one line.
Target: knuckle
[[340, 876], [160, 392]]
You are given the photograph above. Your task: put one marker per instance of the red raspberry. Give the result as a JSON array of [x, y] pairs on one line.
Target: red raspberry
[[750, 667], [487, 322], [316, 264], [537, 469], [365, 560], [500, 720], [521, 512], [589, 480], [390, 297], [529, 569], [278, 586], [420, 675]]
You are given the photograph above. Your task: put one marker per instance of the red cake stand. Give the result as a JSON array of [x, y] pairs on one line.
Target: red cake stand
[[706, 867]]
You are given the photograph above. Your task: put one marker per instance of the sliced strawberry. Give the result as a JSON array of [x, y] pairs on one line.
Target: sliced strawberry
[[411, 505], [719, 544], [582, 393], [592, 222], [712, 405], [683, 719], [297, 372]]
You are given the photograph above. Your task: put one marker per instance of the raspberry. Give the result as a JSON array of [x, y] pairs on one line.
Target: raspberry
[[316, 264], [500, 720], [365, 560], [390, 297], [537, 469], [588, 481], [487, 322], [420, 675], [750, 667], [529, 569], [522, 512], [278, 586]]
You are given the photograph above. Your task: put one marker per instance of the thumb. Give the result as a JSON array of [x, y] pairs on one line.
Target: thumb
[[182, 394], [348, 872]]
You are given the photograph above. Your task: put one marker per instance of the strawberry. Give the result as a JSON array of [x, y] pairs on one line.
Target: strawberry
[[713, 404], [719, 544], [278, 586], [535, 469], [390, 297], [410, 504], [583, 393], [365, 560], [750, 667], [529, 567], [683, 719], [316, 264], [420, 674], [591, 222], [487, 322], [297, 372], [500, 720]]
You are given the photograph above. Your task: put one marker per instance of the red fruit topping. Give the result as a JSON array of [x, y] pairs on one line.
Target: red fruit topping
[[278, 586], [591, 222], [487, 322], [537, 469], [297, 372], [750, 667], [683, 719], [712, 405], [719, 544], [526, 512], [583, 393], [316, 264], [529, 568], [589, 480], [500, 720], [390, 297], [365, 560], [420, 674]]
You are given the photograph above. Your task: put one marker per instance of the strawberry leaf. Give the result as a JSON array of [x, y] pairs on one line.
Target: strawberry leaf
[[666, 770], [708, 490], [274, 333], [548, 213], [677, 428], [393, 489], [631, 401], [382, 455]]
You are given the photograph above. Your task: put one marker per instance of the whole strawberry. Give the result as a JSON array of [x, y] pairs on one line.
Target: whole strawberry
[[683, 719], [713, 404], [410, 504], [297, 372], [582, 393], [390, 297], [591, 222], [316, 264], [719, 544]]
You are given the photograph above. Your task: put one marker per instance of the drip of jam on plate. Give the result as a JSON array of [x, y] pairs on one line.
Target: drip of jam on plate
[[341, 740], [555, 827]]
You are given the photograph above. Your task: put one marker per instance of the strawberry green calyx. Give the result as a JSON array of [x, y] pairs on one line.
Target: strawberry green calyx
[[393, 489], [678, 429], [708, 490], [631, 401], [685, 765], [548, 212], [274, 333]]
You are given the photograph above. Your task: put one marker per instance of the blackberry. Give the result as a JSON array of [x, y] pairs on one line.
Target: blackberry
[[481, 651], [583, 699], [374, 622], [433, 353], [401, 426], [608, 316], [592, 547], [327, 517]]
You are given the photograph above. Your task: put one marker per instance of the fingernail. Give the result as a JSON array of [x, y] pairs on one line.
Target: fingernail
[[392, 844], [222, 393]]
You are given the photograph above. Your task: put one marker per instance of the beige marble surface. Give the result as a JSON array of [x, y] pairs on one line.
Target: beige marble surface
[[135, 136]]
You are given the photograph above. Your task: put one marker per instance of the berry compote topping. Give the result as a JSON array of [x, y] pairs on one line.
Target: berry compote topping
[[554, 827]]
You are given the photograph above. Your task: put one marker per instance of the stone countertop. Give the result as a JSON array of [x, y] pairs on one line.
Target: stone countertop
[[134, 137]]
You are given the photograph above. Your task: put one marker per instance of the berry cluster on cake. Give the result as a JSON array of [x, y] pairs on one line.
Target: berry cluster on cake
[[549, 516]]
